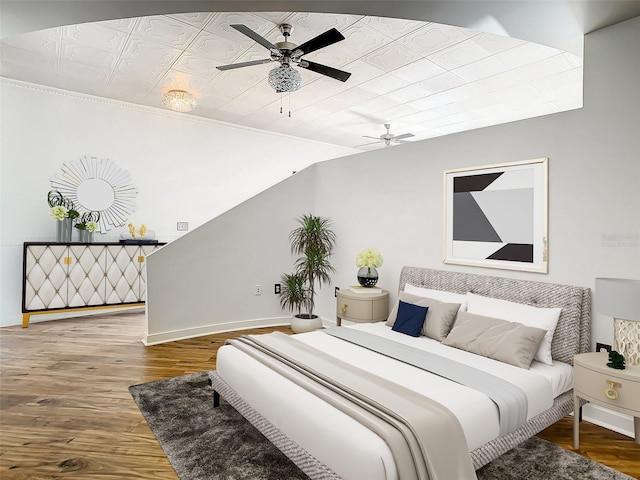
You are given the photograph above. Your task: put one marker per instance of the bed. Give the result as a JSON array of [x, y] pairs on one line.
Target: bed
[[315, 434]]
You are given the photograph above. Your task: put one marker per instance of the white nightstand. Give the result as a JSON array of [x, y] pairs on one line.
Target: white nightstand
[[617, 390], [362, 307]]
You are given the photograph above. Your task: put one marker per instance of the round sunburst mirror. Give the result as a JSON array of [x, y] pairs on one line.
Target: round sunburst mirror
[[98, 185]]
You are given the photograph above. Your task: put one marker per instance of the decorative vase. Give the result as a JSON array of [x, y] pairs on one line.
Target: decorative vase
[[367, 276], [64, 229], [85, 236]]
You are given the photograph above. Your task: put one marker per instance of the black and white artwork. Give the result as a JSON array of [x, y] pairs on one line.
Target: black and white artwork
[[496, 216]]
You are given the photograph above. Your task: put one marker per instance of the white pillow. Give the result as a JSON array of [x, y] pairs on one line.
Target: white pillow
[[546, 318], [441, 295]]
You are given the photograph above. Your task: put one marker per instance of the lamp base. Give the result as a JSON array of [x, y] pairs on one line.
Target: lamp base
[[627, 340]]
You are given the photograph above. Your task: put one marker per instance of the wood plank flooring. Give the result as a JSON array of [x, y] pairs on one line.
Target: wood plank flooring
[[65, 409]]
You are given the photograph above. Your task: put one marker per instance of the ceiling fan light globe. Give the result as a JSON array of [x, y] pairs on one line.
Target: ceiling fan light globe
[[284, 79]]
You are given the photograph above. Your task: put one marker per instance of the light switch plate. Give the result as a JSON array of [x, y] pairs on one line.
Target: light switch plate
[[183, 226]]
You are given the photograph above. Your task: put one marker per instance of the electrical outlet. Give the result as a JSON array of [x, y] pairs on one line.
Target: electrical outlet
[[603, 347], [276, 289], [258, 290], [335, 292], [182, 226]]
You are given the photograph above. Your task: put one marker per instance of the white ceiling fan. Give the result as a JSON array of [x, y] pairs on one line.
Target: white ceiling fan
[[388, 138]]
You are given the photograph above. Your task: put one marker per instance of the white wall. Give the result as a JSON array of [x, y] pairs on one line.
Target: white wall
[[185, 168]]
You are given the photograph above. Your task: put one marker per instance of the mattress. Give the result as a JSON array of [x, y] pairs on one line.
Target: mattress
[[312, 424]]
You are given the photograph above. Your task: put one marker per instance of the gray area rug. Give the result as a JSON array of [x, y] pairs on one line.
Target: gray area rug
[[203, 443]]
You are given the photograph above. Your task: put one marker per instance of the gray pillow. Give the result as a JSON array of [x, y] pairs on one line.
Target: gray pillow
[[440, 315], [501, 340]]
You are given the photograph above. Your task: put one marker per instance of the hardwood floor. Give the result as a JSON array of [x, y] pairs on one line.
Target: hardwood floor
[[65, 409]]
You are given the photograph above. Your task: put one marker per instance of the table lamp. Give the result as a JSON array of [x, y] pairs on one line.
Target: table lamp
[[620, 299]]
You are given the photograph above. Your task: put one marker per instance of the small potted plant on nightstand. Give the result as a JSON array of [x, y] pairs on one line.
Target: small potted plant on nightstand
[[313, 240]]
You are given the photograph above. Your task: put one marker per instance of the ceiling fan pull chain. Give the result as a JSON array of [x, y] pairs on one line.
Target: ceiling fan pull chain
[[280, 102], [289, 104]]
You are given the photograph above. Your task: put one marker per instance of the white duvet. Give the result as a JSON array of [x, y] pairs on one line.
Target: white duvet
[[348, 448]]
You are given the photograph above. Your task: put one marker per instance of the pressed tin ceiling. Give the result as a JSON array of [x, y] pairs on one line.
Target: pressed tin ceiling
[[423, 78]]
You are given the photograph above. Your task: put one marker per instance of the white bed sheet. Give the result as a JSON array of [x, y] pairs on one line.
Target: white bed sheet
[[355, 452]]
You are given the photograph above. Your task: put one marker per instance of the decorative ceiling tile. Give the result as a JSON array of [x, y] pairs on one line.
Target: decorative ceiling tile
[[432, 38], [457, 55], [275, 17], [525, 53], [393, 28], [220, 49], [84, 54], [197, 65], [442, 82], [496, 43], [384, 84], [166, 30], [95, 35], [487, 67], [126, 25], [391, 57], [361, 72], [407, 94], [221, 23], [141, 50], [196, 19], [560, 80], [544, 68], [397, 112], [82, 78], [143, 72], [417, 71], [46, 42]]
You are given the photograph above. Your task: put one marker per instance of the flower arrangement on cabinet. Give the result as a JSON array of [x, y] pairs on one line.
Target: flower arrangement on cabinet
[[367, 261], [88, 221], [61, 207], [369, 257]]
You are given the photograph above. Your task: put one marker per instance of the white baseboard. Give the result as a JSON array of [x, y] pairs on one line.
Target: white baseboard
[[603, 417], [172, 336]]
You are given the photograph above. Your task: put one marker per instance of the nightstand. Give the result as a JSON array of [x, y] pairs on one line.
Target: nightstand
[[361, 307], [617, 390]]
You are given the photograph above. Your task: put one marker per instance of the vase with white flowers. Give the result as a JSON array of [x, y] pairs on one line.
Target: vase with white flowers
[[87, 225], [368, 261], [62, 210]]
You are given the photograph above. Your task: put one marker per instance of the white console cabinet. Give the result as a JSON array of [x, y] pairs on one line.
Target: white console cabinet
[[70, 276]]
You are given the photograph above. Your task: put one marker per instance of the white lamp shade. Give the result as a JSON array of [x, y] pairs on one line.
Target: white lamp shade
[[618, 298]]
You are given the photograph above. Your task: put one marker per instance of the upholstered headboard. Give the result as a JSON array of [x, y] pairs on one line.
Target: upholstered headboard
[[573, 332]]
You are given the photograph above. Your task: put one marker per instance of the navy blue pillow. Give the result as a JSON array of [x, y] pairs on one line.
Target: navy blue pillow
[[410, 319]]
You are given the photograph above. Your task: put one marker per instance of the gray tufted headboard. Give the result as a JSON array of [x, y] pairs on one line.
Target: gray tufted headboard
[[573, 333]]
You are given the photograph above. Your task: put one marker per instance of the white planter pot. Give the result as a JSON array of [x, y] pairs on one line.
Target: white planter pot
[[301, 325]]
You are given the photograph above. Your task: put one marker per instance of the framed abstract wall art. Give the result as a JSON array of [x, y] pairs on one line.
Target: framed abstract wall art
[[496, 216]]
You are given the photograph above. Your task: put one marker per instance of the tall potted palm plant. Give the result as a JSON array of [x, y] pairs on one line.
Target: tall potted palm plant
[[313, 241]]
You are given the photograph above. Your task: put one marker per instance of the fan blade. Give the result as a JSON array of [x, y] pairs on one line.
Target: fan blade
[[243, 64], [369, 136], [325, 70], [404, 135], [254, 36], [323, 40]]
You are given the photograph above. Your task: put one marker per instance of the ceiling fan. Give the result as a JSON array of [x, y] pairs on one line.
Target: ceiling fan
[[389, 138], [284, 78]]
